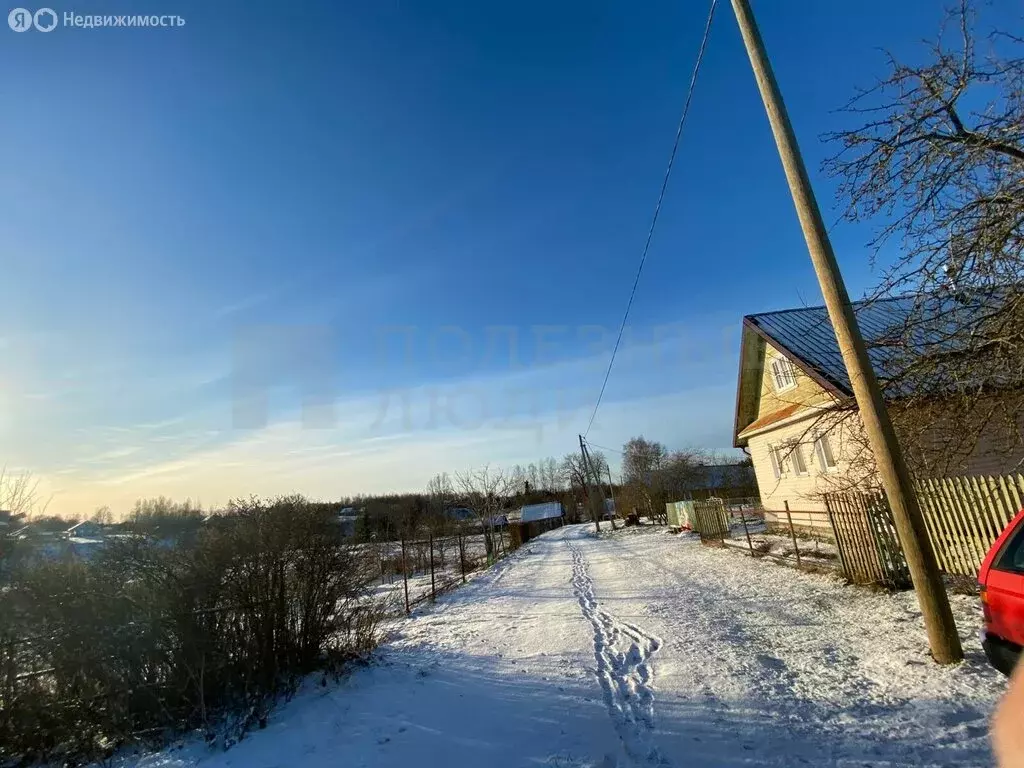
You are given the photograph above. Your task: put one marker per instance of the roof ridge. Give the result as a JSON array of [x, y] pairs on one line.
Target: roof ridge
[[858, 303]]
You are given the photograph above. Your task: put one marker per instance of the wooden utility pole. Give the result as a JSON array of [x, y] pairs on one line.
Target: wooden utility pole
[[931, 594], [611, 494], [591, 497]]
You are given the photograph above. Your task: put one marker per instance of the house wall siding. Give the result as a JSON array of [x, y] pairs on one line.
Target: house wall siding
[[995, 453], [990, 459], [992, 456], [806, 392], [998, 449], [802, 492]]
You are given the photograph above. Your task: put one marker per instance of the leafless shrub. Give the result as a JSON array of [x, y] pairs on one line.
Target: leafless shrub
[[961, 585], [149, 639]]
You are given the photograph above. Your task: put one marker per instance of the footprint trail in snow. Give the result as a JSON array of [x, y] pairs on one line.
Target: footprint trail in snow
[[623, 653]]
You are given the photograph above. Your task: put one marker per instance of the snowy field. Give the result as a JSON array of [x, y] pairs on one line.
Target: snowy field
[[633, 649]]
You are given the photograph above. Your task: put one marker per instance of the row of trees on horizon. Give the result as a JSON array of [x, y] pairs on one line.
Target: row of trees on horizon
[[646, 465]]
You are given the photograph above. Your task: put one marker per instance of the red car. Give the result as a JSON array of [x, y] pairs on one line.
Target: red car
[[1001, 579]]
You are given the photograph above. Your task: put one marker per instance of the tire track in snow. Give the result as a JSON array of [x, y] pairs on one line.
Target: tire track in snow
[[622, 651]]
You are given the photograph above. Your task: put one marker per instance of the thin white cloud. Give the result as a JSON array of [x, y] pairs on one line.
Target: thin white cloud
[[397, 439], [286, 457]]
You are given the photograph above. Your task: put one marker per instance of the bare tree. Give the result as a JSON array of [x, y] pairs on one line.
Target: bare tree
[[575, 476], [573, 473], [642, 463], [20, 495], [553, 475], [937, 157], [103, 515], [641, 459], [533, 475], [681, 472], [441, 494], [441, 490], [543, 475], [486, 491]]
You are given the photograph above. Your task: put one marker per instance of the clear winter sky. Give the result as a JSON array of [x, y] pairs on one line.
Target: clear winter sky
[[348, 205]]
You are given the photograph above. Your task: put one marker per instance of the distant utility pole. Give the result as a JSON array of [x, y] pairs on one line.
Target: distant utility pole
[[591, 497], [931, 595], [611, 495]]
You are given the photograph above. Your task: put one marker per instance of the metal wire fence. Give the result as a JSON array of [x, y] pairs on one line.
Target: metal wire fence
[[421, 565], [801, 538]]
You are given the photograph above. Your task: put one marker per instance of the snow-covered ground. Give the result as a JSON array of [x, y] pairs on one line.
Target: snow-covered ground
[[640, 648], [812, 551]]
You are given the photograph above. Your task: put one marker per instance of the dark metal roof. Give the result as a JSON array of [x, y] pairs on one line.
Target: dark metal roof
[[806, 334], [719, 477]]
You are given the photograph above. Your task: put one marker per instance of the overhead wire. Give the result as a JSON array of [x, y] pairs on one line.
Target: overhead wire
[[603, 448], [657, 208]]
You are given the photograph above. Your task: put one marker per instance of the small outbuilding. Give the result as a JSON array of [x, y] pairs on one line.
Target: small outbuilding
[[679, 514], [535, 519]]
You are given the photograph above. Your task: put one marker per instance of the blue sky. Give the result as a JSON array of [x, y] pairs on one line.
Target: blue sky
[[340, 247]]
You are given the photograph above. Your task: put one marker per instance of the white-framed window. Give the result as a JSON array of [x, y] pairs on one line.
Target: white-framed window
[[823, 450], [773, 455], [783, 374], [797, 457]]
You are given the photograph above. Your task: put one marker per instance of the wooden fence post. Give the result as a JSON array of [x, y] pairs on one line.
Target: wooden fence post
[[831, 514], [433, 591], [746, 530], [792, 534], [462, 556], [405, 576]]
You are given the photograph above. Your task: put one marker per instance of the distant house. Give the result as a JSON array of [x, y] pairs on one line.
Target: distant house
[[721, 480], [461, 514], [347, 518], [87, 529], [792, 375], [9, 521], [535, 519], [534, 513], [86, 539]]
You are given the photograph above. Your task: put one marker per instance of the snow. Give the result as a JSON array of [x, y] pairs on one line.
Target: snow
[[812, 551], [639, 648]]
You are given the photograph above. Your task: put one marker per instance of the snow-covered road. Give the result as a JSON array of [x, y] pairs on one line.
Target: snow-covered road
[[640, 648]]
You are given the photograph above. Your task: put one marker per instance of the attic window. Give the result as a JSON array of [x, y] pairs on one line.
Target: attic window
[[783, 374]]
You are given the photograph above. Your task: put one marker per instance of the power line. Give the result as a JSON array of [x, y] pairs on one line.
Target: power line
[[657, 208], [603, 448]]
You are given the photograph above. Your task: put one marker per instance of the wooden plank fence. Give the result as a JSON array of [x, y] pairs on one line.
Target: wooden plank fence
[[710, 520], [866, 538], [965, 515]]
